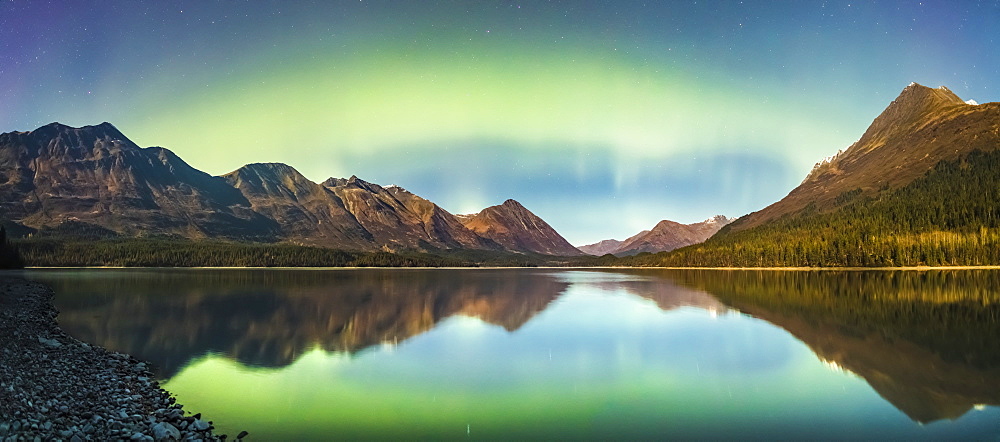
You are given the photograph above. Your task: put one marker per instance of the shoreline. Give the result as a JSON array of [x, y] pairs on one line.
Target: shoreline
[[55, 387], [795, 269]]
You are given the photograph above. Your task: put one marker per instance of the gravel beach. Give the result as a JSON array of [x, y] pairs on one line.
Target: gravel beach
[[54, 387]]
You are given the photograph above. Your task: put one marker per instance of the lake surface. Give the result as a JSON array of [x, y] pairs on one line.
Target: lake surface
[[557, 354]]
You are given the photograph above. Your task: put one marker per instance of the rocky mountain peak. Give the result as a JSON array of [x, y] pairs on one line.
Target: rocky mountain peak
[[273, 173], [274, 179], [59, 139], [919, 95], [912, 106], [515, 227], [276, 169], [352, 182], [334, 182]]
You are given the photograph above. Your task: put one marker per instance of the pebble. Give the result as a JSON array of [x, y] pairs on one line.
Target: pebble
[[200, 425], [55, 387], [163, 431]]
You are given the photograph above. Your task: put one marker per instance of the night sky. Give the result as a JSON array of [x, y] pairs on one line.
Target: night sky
[[601, 117]]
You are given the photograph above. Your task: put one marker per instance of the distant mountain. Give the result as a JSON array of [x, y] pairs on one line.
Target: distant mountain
[[95, 175], [93, 182], [918, 188], [601, 248], [516, 228], [664, 237]]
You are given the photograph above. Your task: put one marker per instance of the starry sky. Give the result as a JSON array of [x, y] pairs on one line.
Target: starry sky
[[602, 117]]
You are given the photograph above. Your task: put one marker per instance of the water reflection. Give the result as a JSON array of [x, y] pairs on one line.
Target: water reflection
[[924, 341], [269, 318]]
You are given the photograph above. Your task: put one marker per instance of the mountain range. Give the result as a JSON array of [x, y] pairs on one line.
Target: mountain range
[[918, 188], [94, 179], [665, 236]]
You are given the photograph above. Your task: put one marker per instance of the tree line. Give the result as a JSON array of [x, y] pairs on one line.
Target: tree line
[[175, 252]]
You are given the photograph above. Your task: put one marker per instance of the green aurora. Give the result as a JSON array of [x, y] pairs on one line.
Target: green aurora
[[674, 110]]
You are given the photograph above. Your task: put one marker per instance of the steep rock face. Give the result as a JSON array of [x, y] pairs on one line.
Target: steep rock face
[[603, 247], [516, 228], [307, 212], [669, 235], [399, 219], [919, 129], [96, 175]]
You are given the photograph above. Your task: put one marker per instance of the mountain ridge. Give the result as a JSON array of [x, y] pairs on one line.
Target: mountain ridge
[[58, 176], [95, 174]]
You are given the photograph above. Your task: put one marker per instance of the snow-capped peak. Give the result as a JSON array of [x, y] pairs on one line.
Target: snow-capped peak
[[829, 159], [912, 83], [822, 163], [972, 102], [717, 219]]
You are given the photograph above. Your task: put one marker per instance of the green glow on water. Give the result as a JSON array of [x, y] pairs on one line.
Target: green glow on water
[[596, 363], [557, 354]]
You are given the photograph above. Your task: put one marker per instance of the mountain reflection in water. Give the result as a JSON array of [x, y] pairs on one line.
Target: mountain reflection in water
[[925, 341]]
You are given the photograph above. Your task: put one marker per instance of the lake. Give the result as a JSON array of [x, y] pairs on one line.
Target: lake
[[557, 354]]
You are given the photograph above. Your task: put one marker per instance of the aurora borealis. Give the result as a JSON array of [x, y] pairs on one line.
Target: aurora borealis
[[601, 117]]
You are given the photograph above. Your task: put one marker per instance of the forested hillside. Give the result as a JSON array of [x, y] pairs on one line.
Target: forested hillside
[[947, 217]]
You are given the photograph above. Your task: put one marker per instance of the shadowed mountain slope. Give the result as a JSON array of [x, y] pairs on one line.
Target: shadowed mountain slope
[[96, 175]]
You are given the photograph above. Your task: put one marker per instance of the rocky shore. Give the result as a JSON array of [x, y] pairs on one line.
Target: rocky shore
[[54, 387]]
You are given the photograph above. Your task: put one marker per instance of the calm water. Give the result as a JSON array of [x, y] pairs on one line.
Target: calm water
[[557, 354]]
